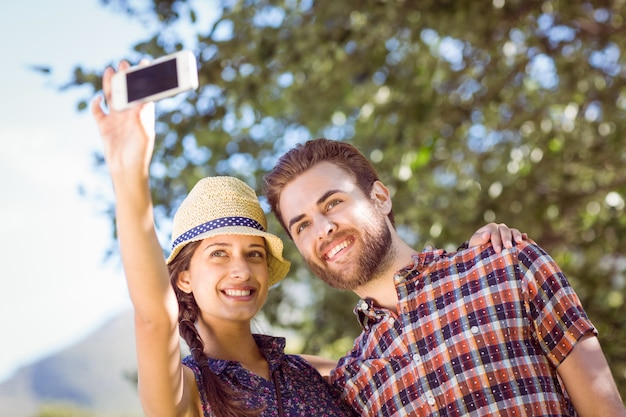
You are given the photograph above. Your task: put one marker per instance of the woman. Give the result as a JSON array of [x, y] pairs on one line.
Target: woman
[[221, 266]]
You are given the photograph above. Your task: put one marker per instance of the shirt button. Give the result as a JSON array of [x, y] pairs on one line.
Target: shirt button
[[474, 329], [363, 306], [397, 278], [431, 400]]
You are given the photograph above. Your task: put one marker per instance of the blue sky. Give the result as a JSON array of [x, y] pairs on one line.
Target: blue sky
[[55, 286]]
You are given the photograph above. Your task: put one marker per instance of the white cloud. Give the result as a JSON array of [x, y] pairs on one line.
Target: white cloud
[[55, 284]]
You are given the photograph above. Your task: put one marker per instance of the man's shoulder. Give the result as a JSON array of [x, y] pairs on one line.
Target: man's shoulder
[[467, 258]]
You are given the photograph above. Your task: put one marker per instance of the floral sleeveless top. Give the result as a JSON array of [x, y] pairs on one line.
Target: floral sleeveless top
[[299, 387]]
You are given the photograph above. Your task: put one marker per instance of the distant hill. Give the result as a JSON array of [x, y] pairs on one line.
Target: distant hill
[[94, 374]]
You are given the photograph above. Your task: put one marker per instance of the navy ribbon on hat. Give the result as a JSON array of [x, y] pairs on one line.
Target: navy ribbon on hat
[[217, 224]]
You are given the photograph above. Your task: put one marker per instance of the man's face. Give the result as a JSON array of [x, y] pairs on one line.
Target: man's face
[[341, 233]]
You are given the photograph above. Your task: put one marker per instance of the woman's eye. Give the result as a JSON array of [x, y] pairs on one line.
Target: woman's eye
[[219, 253], [301, 227], [257, 254]]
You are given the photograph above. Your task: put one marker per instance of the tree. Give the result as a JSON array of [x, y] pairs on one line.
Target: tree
[[508, 111]]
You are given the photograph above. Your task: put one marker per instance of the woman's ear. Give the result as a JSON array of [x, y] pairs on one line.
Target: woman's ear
[[183, 281], [380, 196]]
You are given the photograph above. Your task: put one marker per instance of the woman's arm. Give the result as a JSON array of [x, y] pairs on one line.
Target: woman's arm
[[323, 365], [128, 139], [499, 235]]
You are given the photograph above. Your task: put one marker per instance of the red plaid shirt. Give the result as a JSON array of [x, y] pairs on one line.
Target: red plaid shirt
[[476, 334]]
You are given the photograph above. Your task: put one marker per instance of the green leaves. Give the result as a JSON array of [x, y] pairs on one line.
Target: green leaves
[[471, 111]]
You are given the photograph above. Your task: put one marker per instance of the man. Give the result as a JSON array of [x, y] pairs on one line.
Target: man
[[471, 333]]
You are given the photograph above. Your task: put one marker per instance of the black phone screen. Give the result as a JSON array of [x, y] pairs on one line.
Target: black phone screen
[[151, 80]]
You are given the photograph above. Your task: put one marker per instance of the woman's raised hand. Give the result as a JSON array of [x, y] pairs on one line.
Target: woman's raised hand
[[128, 135]]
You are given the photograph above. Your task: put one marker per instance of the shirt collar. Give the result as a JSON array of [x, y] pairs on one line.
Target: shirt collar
[[368, 313]]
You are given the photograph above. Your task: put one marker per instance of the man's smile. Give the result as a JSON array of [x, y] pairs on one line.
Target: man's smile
[[338, 248]]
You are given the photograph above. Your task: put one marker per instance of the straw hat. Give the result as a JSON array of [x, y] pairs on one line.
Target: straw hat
[[225, 206]]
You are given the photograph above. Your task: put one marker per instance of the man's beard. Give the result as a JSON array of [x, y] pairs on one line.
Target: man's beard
[[376, 256]]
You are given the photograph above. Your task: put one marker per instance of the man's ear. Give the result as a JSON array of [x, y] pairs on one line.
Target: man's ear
[[381, 197], [183, 281]]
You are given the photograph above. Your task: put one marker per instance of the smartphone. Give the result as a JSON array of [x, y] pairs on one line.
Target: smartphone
[[163, 77]]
